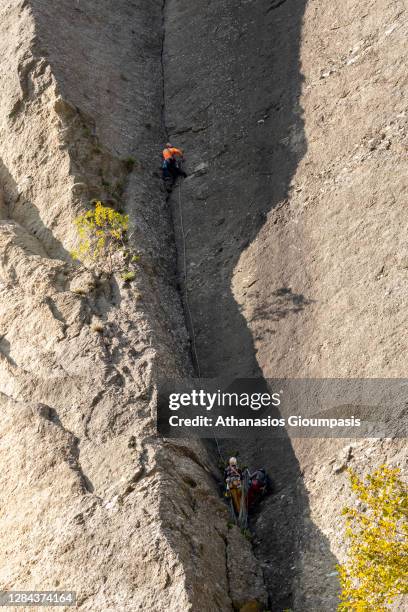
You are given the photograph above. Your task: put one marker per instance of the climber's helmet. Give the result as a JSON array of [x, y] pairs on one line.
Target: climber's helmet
[[233, 461], [169, 145]]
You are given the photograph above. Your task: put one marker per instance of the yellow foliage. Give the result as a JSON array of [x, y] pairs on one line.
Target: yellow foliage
[[377, 569], [101, 232]]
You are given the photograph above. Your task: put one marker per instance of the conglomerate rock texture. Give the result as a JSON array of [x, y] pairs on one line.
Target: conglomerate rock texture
[[293, 119]]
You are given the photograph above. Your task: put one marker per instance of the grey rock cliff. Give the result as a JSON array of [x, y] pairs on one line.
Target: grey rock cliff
[[293, 120], [91, 499], [293, 116]]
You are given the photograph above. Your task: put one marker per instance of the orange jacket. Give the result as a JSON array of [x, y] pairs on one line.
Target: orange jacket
[[169, 153]]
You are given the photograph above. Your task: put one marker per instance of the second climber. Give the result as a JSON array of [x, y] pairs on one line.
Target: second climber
[[232, 477]]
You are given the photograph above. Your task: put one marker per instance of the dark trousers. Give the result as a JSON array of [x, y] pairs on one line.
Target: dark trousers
[[171, 170]]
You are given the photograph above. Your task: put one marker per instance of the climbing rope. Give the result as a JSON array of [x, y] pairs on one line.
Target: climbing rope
[[243, 512], [232, 511], [186, 301], [218, 449]]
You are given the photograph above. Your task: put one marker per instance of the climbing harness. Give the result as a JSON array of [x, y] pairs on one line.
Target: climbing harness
[[237, 488], [234, 493]]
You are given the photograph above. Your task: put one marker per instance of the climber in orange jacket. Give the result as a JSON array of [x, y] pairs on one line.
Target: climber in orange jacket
[[171, 167]]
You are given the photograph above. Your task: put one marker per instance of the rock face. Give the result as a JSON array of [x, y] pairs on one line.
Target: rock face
[[246, 584], [293, 122], [293, 118], [91, 500]]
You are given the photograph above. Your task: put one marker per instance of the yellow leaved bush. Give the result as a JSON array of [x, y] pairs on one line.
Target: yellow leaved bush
[[101, 232], [377, 529]]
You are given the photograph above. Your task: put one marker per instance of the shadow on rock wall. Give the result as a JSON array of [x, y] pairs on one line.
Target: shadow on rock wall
[[19, 208], [232, 90]]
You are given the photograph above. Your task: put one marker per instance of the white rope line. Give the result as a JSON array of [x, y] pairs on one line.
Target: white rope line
[[243, 512], [218, 449], [193, 337]]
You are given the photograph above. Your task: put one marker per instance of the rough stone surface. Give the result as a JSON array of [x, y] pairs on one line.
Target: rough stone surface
[[246, 586], [91, 499], [293, 119]]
